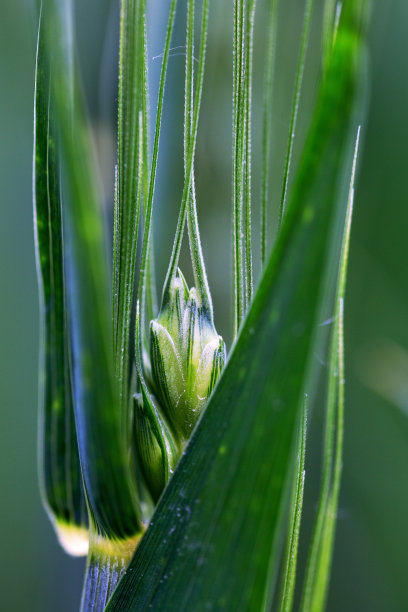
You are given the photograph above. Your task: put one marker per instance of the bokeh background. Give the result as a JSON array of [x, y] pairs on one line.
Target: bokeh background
[[370, 563]]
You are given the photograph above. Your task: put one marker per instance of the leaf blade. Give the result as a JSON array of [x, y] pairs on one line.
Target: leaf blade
[[108, 481], [60, 474]]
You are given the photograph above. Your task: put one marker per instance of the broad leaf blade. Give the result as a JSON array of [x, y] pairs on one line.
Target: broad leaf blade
[[108, 481], [214, 540], [60, 473]]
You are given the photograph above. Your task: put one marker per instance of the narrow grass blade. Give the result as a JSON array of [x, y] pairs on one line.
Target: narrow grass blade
[[307, 19], [108, 481], [249, 53], [188, 180], [244, 17], [149, 204], [199, 271], [60, 473], [214, 540], [266, 122], [131, 79], [321, 550], [238, 158], [289, 576], [150, 288], [329, 18]]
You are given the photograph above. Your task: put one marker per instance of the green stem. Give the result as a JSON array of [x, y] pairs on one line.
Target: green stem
[[249, 51], [238, 136], [295, 519], [149, 206], [188, 181], [328, 29], [150, 294], [200, 276], [295, 104], [266, 123], [126, 228], [106, 564]]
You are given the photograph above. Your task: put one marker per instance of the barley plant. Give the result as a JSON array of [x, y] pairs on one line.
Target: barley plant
[[175, 463]]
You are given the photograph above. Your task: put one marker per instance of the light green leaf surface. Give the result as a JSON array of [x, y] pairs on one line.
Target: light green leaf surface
[[214, 541]]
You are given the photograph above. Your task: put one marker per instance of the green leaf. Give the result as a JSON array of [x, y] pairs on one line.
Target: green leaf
[[60, 473], [108, 480], [214, 540]]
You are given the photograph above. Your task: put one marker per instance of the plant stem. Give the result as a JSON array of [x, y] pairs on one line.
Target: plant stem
[[295, 518], [249, 48], [150, 294], [188, 181], [128, 193], [200, 276], [149, 205], [328, 29], [266, 123], [238, 137], [307, 19], [106, 565]]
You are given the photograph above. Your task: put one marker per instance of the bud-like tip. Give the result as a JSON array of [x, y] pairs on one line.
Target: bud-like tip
[[156, 449], [187, 356]]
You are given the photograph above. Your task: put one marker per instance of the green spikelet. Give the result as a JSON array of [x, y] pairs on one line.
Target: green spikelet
[[187, 356], [156, 449]]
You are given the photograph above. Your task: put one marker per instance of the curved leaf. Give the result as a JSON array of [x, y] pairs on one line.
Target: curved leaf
[[60, 472], [108, 480]]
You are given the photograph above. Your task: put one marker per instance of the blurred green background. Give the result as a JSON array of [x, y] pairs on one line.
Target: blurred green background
[[370, 565]]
